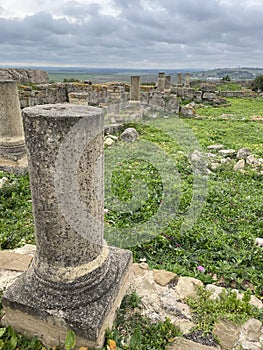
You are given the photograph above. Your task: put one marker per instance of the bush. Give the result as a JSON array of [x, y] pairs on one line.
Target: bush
[[257, 84]]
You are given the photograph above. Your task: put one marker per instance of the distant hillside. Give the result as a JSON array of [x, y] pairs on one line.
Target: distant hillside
[[233, 73]]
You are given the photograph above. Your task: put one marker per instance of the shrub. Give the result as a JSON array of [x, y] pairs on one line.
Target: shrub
[[257, 84]]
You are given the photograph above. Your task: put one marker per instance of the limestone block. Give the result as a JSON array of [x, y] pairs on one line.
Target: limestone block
[[163, 277], [227, 333], [186, 287]]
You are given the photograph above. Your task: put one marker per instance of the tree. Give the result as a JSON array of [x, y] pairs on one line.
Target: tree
[[257, 83], [226, 78]]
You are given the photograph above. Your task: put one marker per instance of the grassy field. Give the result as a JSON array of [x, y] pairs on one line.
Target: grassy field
[[221, 239]]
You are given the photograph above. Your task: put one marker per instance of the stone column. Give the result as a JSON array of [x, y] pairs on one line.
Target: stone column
[[187, 80], [161, 82], [75, 280], [12, 142], [135, 88], [179, 79], [168, 80]]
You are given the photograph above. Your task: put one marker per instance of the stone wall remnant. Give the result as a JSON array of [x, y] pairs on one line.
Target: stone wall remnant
[[24, 76]]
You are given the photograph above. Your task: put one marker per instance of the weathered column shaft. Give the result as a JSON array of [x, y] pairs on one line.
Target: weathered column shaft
[[75, 280], [12, 143], [161, 82], [135, 88], [65, 173], [187, 80], [168, 80], [179, 79]]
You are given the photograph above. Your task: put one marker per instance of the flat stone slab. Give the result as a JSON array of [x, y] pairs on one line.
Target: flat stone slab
[[14, 261], [8, 277], [185, 344]]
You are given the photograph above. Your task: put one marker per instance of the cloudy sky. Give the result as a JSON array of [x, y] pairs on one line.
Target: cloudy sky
[[132, 33]]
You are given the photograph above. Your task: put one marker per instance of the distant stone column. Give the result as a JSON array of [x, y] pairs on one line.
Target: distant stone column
[[187, 80], [168, 80], [12, 142], [161, 82], [75, 280], [135, 94], [179, 79]]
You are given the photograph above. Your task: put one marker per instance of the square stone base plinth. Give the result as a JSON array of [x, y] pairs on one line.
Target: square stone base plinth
[[88, 320], [16, 167]]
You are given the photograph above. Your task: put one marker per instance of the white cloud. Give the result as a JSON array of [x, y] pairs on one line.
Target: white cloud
[[144, 33]]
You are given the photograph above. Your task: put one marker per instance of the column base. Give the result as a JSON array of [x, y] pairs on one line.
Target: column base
[[87, 310], [15, 167], [12, 149]]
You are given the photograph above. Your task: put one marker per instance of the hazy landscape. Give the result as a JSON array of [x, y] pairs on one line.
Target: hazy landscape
[[102, 75]]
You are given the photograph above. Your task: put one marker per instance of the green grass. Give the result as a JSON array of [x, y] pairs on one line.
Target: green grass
[[16, 221], [227, 306], [222, 237], [239, 108], [133, 331], [230, 86]]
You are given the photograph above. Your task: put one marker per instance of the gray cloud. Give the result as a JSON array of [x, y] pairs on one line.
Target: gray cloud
[[156, 33]]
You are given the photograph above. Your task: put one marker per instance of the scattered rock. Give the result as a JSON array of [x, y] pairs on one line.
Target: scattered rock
[[215, 147], [144, 266], [168, 301], [251, 160], [184, 325], [186, 287], [227, 334], [199, 160], [256, 302], [210, 155], [188, 111], [129, 135], [259, 242], [137, 270], [3, 181], [109, 141], [225, 160], [184, 310], [227, 152], [113, 137], [251, 330], [163, 277], [215, 290], [186, 344], [239, 165], [214, 166], [243, 153], [247, 345]]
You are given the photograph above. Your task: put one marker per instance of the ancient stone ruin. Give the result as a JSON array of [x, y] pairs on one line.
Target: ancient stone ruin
[[24, 76], [75, 281], [12, 143]]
